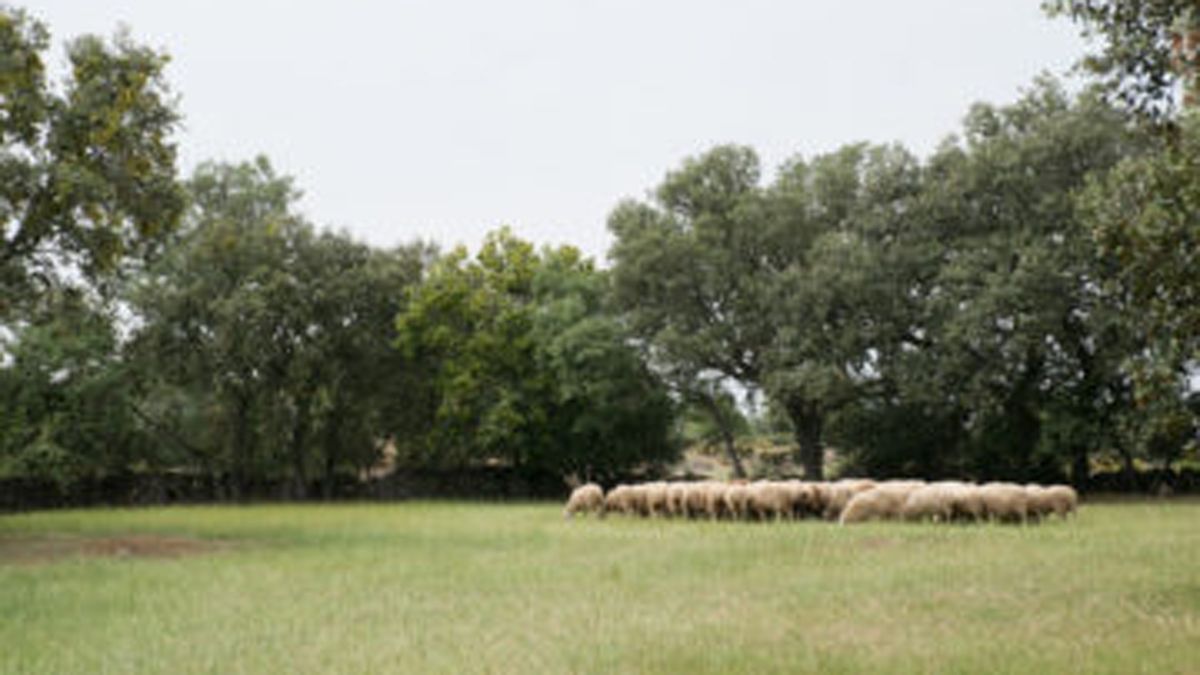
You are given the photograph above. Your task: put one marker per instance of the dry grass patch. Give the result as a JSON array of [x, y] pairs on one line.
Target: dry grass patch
[[48, 549]]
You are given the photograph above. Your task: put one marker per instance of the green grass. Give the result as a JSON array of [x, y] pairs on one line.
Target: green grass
[[457, 588]]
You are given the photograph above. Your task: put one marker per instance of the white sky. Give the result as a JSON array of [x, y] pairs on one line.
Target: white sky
[[445, 119]]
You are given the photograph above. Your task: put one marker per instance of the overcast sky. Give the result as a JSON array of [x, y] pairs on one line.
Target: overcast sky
[[444, 119]]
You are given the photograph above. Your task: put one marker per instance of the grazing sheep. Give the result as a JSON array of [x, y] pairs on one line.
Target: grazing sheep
[[737, 500], [769, 500], [620, 499], [1064, 499], [802, 497], [637, 499], [1040, 502], [832, 499], [882, 502], [857, 485], [588, 498], [714, 500], [1005, 502], [966, 503], [677, 499], [695, 499], [930, 502], [656, 499]]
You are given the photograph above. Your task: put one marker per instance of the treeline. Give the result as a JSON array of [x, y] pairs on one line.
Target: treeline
[[1019, 305]]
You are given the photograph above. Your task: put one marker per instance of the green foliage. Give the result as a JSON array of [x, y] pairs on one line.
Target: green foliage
[[1144, 216], [1136, 63], [723, 278], [529, 366], [267, 344], [64, 396], [87, 171], [1002, 323]]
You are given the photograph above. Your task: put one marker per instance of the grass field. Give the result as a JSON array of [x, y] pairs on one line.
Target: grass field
[[456, 588]]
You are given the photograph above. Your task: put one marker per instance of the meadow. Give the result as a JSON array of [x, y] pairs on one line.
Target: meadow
[[513, 588]]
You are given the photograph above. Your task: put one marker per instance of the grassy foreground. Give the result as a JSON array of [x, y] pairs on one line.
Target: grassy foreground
[[454, 588]]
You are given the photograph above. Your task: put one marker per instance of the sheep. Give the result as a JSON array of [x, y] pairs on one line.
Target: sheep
[[965, 501], [1040, 501], [933, 502], [714, 499], [857, 485], [637, 499], [1005, 502], [1063, 499], [677, 499], [883, 502], [655, 499], [737, 500], [834, 497], [620, 499], [831, 498], [588, 498], [880, 502], [695, 499], [768, 499], [802, 497]]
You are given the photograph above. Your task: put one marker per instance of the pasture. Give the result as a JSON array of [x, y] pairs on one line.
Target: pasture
[[491, 588]]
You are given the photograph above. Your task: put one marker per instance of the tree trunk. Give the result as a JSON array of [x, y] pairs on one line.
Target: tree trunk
[[725, 428], [808, 421], [739, 471]]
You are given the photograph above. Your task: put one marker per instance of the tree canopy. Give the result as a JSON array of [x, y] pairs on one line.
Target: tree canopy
[[87, 169]]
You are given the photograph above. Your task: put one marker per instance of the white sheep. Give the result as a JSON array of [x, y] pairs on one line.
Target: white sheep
[[714, 499], [833, 497], [621, 499], [769, 500], [1005, 502], [655, 499], [802, 497], [1063, 499], [677, 499], [930, 502], [587, 498], [695, 499], [883, 502], [737, 500], [1040, 501]]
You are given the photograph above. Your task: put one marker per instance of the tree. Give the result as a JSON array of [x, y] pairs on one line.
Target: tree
[[1149, 46], [722, 278], [1017, 337], [689, 273], [528, 365], [87, 172], [64, 396], [838, 291], [610, 412], [276, 336], [1145, 217]]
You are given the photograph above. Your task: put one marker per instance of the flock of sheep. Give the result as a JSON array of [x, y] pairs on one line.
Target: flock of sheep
[[847, 501]]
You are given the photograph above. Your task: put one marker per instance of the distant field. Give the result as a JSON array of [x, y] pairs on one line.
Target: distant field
[[456, 588]]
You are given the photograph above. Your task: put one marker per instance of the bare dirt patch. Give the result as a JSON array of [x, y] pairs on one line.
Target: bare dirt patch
[[54, 548]]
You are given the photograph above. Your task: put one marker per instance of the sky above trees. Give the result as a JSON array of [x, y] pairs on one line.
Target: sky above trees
[[444, 120]]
